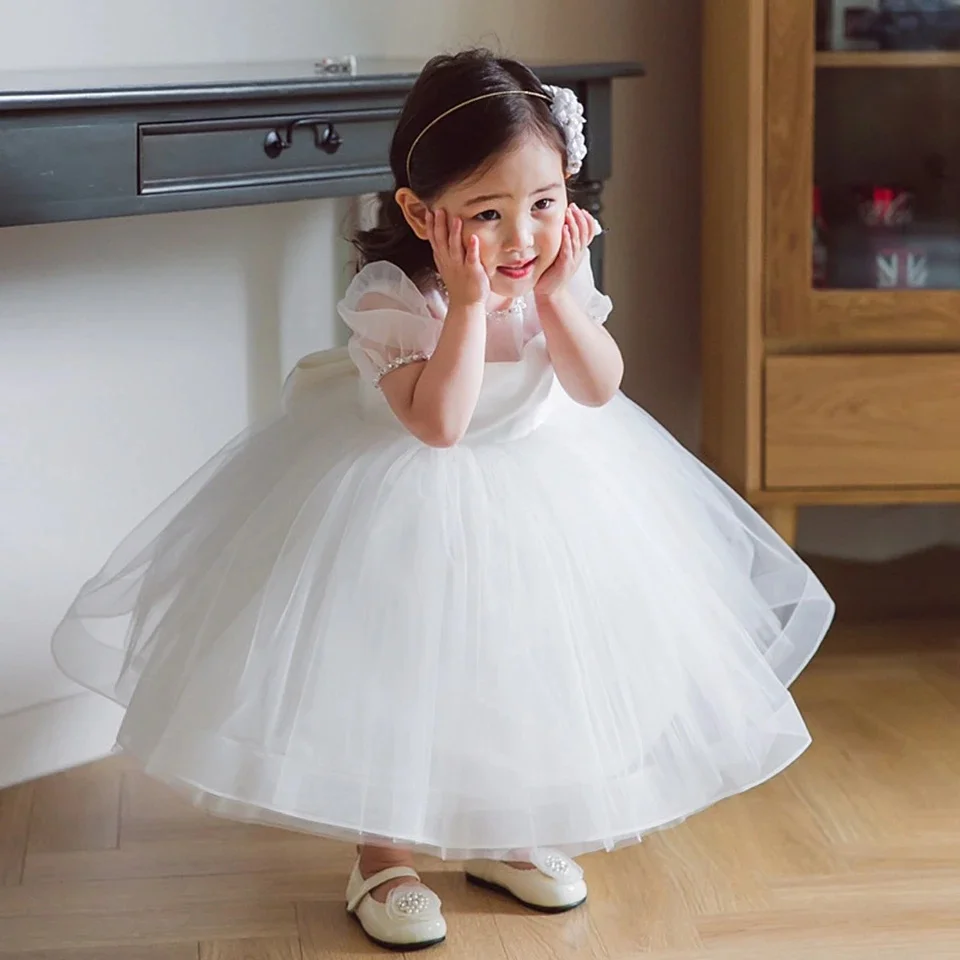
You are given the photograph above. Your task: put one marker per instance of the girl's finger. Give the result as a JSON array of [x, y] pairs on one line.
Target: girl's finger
[[440, 231], [456, 241], [588, 229], [594, 225], [473, 251], [583, 225]]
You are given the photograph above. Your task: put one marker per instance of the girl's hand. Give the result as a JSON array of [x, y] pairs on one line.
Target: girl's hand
[[578, 232], [459, 264]]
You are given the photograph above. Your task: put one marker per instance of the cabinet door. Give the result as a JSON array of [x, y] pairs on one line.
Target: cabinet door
[[870, 137]]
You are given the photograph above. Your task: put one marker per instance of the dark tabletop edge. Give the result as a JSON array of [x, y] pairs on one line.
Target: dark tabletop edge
[[288, 87]]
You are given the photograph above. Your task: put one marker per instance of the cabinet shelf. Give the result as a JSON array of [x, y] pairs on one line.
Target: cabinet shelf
[[886, 59], [876, 317]]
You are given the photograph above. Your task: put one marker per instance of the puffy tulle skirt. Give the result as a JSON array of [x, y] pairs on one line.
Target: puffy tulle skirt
[[569, 639]]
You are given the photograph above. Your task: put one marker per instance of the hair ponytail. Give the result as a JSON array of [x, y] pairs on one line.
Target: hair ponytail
[[392, 239]]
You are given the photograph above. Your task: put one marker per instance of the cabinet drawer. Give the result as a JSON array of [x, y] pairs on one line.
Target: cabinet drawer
[[862, 421], [252, 151]]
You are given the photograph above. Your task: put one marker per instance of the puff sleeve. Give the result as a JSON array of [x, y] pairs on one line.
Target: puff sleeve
[[390, 322], [598, 306]]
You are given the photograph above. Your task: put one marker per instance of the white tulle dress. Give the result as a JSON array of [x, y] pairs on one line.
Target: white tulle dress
[[562, 632]]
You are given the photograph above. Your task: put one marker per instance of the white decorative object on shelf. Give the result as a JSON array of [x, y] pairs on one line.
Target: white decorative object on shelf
[[337, 66]]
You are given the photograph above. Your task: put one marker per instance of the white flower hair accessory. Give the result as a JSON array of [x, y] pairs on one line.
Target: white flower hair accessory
[[568, 112]]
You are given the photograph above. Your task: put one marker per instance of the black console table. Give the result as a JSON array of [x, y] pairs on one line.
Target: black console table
[[117, 143]]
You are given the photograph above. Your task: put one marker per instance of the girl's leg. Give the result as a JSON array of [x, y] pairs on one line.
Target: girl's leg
[[373, 859]]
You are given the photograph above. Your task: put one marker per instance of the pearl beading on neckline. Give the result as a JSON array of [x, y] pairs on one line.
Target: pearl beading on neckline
[[514, 311]]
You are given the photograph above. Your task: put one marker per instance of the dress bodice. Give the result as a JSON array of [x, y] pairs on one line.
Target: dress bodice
[[516, 396]]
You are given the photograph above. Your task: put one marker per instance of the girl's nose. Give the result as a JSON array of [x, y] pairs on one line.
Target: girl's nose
[[520, 237]]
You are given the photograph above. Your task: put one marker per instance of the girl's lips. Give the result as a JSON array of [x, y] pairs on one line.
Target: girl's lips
[[518, 272]]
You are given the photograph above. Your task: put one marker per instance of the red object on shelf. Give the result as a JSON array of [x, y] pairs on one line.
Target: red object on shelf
[[885, 206]]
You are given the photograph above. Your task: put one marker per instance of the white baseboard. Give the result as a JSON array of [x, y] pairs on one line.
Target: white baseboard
[[55, 736]]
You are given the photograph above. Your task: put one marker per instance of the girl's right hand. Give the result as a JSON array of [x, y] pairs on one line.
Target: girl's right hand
[[458, 263]]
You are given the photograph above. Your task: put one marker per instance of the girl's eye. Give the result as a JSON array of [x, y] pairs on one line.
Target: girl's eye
[[487, 215], [545, 204]]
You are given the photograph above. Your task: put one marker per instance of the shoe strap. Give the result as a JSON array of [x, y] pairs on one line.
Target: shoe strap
[[384, 876]]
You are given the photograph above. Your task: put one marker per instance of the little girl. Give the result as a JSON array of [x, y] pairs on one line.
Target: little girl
[[461, 596]]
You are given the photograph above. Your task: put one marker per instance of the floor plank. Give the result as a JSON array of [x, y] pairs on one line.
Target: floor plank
[[77, 810], [163, 924], [157, 951], [251, 950]]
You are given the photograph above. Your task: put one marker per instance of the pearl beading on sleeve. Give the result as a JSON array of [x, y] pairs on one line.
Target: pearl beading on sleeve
[[403, 361]]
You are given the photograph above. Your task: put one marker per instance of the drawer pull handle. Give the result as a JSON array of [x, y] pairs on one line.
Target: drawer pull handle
[[326, 137]]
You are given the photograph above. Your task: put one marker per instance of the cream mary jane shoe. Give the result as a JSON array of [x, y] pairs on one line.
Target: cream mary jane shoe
[[409, 920], [555, 886]]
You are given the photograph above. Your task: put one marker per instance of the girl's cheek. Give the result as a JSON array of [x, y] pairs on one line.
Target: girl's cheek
[[553, 238], [469, 229], [487, 246]]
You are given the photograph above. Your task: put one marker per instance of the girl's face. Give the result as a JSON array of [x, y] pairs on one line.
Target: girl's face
[[516, 207]]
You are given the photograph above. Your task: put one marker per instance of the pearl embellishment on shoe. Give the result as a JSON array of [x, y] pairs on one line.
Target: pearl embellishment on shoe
[[556, 864], [411, 903]]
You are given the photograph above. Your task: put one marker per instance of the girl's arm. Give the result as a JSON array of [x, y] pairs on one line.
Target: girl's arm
[[435, 400], [587, 360]]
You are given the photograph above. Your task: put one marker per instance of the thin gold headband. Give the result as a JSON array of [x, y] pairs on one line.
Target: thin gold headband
[[446, 113]]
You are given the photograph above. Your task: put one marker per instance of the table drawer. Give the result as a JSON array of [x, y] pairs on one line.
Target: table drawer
[[862, 421], [265, 150]]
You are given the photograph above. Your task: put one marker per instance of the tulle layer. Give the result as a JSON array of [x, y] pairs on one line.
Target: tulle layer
[[567, 640]]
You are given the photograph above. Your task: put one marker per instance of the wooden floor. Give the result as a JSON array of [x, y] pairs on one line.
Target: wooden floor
[[852, 854]]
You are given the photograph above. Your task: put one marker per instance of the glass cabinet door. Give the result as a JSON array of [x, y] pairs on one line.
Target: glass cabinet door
[[886, 193], [865, 154]]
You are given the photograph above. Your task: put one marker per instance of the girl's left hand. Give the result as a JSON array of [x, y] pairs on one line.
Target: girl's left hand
[[579, 230]]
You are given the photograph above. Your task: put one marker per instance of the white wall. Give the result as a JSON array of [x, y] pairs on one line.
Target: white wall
[[63, 33], [130, 350]]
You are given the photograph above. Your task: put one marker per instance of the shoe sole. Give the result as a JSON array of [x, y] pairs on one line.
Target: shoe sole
[[505, 891], [396, 947]]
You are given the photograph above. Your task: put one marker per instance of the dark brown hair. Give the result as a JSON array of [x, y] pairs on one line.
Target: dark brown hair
[[457, 146]]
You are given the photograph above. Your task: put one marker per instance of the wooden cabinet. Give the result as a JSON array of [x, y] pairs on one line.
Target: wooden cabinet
[[831, 263]]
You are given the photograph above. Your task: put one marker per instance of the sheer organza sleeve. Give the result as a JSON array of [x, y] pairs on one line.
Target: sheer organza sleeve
[[582, 286], [390, 322]]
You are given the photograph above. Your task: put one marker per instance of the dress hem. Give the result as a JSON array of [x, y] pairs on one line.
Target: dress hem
[[224, 806]]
